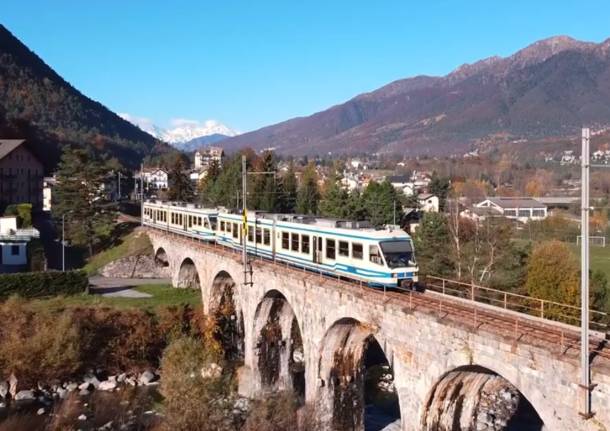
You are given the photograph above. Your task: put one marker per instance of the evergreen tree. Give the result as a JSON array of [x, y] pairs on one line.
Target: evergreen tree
[[180, 185], [432, 245], [383, 204], [308, 196], [207, 183], [440, 187], [79, 196], [289, 190], [334, 201], [264, 190], [355, 206]]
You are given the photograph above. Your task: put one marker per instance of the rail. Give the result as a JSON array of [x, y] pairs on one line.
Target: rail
[[542, 308], [476, 314]]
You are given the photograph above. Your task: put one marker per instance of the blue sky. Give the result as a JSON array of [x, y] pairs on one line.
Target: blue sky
[[253, 63]]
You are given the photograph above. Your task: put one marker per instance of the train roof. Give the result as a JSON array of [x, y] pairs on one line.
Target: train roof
[[183, 205]]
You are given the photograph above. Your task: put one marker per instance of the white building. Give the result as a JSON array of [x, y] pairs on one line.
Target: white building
[[521, 209], [13, 244], [155, 177], [428, 202], [402, 183], [47, 192], [205, 156]]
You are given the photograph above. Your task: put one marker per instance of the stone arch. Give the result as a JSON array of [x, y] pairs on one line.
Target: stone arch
[[354, 369], [161, 258], [225, 309], [476, 397], [278, 343], [188, 277]]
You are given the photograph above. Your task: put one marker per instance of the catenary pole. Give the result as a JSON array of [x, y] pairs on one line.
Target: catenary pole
[[244, 230], [585, 377]]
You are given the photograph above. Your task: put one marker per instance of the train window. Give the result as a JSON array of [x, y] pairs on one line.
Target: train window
[[285, 240], [294, 241], [344, 248], [330, 248], [259, 235], [235, 230], [374, 255], [250, 233], [356, 250], [190, 220], [206, 223], [267, 236], [228, 227], [222, 226], [305, 244]]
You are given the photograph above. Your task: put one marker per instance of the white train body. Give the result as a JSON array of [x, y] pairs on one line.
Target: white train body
[[347, 249], [184, 219]]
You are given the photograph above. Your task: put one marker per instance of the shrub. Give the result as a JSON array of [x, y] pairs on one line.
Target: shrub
[[39, 346], [192, 402], [23, 213], [277, 412], [38, 284]]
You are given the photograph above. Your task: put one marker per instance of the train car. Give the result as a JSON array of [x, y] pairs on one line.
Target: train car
[[378, 257], [186, 219]]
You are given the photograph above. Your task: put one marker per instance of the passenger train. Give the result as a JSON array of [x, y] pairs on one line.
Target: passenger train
[[354, 250]]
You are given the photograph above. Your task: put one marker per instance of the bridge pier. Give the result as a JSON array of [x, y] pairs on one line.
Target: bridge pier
[[432, 353]]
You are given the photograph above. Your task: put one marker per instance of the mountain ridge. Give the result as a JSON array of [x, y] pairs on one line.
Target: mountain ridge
[[550, 87]]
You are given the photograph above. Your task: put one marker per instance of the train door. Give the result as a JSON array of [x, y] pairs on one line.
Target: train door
[[317, 249]]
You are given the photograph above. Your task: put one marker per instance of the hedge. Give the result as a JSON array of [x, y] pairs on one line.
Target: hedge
[[38, 284]]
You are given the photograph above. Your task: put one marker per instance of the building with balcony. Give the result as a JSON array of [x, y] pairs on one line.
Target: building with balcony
[[21, 174]]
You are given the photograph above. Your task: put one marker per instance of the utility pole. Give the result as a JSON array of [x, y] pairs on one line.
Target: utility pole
[[394, 223], [244, 230], [585, 376], [141, 194], [119, 185], [63, 243]]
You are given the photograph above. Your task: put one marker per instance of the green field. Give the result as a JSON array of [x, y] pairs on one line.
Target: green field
[[599, 256], [162, 295]]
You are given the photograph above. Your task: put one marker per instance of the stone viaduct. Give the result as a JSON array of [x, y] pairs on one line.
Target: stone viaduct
[[297, 330]]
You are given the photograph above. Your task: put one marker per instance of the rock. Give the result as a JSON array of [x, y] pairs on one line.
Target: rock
[[130, 381], [3, 389], [40, 411], [84, 392], [92, 380], [2, 405], [112, 378], [142, 266], [71, 386], [82, 418], [121, 377], [26, 395], [106, 426], [107, 385], [146, 378], [62, 393], [12, 381], [85, 386], [211, 371]]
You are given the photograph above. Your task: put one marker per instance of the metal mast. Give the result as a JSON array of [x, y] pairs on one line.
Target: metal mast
[[244, 230], [585, 377]]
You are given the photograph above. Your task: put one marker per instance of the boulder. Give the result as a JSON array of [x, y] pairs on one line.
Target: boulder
[[26, 395], [40, 411], [107, 385], [121, 377], [211, 371], [82, 418], [85, 386], [71, 386], [12, 381], [147, 377], [3, 389], [90, 378]]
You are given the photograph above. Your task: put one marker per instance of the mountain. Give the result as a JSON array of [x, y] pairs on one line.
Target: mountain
[[185, 135], [548, 89], [38, 104]]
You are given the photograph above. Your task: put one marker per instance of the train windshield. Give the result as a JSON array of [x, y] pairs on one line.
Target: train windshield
[[398, 254], [213, 221]]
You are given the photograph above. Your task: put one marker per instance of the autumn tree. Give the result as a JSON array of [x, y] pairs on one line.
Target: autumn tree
[[308, 196], [80, 198]]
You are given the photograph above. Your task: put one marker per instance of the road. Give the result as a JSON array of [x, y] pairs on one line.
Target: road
[[122, 286]]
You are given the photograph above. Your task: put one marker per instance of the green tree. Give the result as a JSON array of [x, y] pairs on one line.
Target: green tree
[[180, 185], [432, 241], [80, 197], [383, 203], [334, 202], [440, 187], [289, 190], [308, 196], [265, 189], [206, 185]]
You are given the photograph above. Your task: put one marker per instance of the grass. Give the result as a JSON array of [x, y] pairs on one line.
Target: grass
[[599, 258], [162, 295], [131, 244]]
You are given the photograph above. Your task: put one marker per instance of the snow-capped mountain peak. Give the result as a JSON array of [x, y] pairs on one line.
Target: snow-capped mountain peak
[[181, 130]]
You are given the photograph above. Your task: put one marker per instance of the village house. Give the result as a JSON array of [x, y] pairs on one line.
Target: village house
[[13, 245], [21, 174], [520, 209]]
